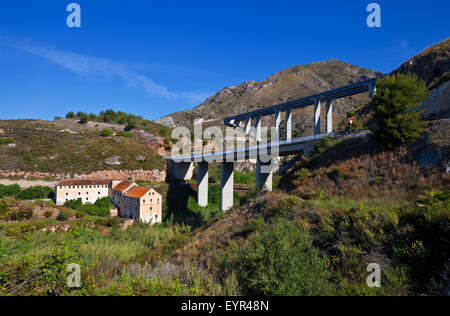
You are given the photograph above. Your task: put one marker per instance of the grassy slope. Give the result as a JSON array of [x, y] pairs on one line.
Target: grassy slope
[[41, 146]]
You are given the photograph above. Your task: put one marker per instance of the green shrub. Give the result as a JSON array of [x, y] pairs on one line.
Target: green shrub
[[397, 120], [64, 215], [106, 133], [126, 134], [323, 145], [281, 261], [242, 178], [256, 224], [101, 208], [6, 141], [28, 158]]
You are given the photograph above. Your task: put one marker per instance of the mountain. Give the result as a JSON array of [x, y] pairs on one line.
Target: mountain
[[287, 85], [432, 65]]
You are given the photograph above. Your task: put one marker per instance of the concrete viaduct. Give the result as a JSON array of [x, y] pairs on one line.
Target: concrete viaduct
[[182, 168]]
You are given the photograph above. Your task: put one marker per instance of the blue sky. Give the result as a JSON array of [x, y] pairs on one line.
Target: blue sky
[[155, 57]]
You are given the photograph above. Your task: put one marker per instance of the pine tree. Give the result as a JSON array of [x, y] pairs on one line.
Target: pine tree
[[397, 120]]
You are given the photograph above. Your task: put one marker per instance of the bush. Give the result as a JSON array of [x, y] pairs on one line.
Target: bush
[[6, 141], [64, 215], [126, 134], [105, 202], [256, 224], [283, 262], [101, 208], [396, 118], [36, 192], [323, 145], [106, 133], [242, 178]]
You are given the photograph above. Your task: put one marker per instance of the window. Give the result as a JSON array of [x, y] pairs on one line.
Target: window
[[98, 193], [67, 194], [151, 208], [79, 193]]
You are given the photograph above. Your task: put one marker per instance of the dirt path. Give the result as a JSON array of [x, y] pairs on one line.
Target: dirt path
[[28, 183]]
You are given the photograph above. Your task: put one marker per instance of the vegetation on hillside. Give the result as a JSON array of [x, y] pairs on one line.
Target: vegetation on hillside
[[31, 193], [131, 121], [42, 146]]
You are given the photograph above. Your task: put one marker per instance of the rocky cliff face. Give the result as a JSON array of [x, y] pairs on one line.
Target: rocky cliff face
[[438, 102], [432, 65], [287, 85]]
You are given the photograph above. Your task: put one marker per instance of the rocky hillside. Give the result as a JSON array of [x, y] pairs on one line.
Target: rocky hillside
[[432, 65], [284, 86], [65, 148]]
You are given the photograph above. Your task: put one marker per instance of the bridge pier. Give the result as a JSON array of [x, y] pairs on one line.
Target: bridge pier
[[264, 175], [226, 186], [258, 130], [317, 115], [202, 184], [329, 108], [277, 125], [288, 125]]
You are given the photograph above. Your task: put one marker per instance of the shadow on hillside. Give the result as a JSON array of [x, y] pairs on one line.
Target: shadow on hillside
[[177, 202], [349, 148]]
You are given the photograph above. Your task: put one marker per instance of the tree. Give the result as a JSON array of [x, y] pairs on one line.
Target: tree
[[282, 261], [84, 119], [70, 115], [397, 120]]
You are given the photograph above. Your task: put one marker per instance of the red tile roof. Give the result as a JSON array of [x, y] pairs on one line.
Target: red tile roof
[[137, 192], [122, 186], [83, 182]]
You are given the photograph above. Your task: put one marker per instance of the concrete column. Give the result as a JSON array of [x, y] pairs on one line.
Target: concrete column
[[277, 125], [264, 175], [372, 90], [202, 184], [258, 129], [329, 116], [288, 125], [317, 113], [227, 186], [248, 126]]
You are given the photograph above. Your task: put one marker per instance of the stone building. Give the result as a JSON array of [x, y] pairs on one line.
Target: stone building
[[87, 191], [143, 204], [132, 201], [137, 203]]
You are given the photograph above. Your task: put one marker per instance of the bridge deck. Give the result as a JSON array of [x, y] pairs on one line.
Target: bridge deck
[[342, 92], [278, 149]]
